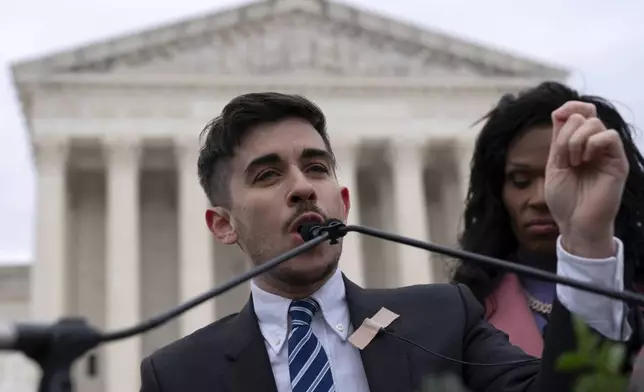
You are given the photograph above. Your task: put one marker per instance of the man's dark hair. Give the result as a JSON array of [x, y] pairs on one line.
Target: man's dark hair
[[487, 228], [223, 134]]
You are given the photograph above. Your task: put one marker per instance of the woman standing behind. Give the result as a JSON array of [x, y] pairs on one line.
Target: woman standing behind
[[506, 215]]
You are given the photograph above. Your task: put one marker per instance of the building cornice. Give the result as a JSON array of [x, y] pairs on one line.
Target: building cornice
[[278, 83]]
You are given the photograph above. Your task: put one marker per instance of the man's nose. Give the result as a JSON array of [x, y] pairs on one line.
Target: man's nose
[[302, 190]]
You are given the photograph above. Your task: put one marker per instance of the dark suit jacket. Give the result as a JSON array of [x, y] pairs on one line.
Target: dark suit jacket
[[230, 354]]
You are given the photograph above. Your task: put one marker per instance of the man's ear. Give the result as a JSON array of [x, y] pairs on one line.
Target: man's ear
[[218, 221], [346, 201]]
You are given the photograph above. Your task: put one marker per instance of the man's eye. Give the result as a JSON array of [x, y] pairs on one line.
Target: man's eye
[[318, 168], [266, 175]]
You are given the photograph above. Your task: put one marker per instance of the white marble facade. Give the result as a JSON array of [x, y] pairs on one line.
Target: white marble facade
[[17, 373], [114, 126]]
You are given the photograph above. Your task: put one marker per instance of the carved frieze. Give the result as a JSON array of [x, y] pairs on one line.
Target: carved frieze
[[90, 102], [294, 43]]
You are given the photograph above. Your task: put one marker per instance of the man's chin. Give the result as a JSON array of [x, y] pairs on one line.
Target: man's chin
[[306, 276]]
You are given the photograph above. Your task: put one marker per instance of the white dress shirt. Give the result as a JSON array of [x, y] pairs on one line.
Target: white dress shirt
[[604, 314], [332, 326]]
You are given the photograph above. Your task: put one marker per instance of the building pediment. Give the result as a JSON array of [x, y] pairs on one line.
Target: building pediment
[[296, 43], [286, 37]]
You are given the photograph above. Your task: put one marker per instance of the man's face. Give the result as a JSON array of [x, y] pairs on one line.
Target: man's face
[[281, 173]]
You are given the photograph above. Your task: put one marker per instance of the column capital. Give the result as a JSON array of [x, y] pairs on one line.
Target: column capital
[[464, 148], [50, 150], [347, 152], [122, 149], [407, 150], [185, 141], [118, 140], [466, 142], [186, 150]]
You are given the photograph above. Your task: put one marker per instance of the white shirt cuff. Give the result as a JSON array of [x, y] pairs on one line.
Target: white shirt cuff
[[605, 315]]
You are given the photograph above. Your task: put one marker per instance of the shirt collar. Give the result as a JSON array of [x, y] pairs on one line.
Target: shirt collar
[[272, 310]]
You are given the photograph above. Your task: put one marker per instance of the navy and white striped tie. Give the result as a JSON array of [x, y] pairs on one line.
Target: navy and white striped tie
[[308, 364]]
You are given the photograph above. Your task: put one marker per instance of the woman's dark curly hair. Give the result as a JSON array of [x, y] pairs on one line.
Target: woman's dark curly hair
[[487, 227]]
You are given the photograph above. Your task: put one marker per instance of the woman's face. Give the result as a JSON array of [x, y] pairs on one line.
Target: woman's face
[[523, 191]]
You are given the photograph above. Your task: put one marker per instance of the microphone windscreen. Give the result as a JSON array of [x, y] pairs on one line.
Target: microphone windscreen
[[307, 230]]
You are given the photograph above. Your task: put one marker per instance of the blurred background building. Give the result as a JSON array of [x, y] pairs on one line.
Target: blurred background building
[[114, 128], [17, 374]]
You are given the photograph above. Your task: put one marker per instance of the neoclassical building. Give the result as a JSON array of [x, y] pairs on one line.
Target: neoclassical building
[[16, 372], [114, 127]]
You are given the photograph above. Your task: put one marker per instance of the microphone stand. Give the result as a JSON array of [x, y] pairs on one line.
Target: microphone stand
[[336, 229], [55, 347]]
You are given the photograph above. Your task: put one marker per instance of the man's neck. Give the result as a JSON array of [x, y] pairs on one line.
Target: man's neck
[[287, 290]]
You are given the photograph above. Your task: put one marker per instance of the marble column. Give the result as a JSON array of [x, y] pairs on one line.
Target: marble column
[[464, 153], [196, 263], [410, 212], [122, 275], [352, 260], [49, 270]]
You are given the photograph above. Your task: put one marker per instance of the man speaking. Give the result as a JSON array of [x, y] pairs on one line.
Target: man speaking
[[267, 166]]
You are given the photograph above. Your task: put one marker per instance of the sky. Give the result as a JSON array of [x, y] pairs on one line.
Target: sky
[[601, 43]]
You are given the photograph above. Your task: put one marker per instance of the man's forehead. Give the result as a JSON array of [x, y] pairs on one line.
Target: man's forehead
[[288, 140]]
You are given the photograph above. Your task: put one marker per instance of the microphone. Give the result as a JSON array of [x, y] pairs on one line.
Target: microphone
[[55, 347], [309, 230], [332, 228]]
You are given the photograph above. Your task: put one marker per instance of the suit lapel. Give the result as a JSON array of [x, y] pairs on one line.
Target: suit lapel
[[251, 368], [385, 359]]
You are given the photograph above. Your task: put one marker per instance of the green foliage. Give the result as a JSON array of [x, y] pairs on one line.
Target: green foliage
[[601, 363]]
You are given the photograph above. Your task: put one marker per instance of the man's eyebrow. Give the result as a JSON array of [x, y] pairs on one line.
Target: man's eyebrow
[[268, 159], [274, 159], [309, 153]]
